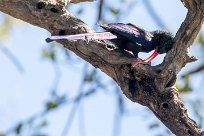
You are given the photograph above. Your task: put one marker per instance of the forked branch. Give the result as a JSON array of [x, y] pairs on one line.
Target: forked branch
[[150, 86]]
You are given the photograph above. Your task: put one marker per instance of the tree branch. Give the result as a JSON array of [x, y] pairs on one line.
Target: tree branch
[[78, 1], [150, 86]]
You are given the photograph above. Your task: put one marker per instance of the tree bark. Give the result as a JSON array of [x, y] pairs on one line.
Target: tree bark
[[150, 86], [78, 1]]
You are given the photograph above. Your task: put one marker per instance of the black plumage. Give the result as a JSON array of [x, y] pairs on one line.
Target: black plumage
[[128, 37], [135, 39]]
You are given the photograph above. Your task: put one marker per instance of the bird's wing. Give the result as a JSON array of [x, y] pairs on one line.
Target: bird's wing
[[85, 37], [130, 31]]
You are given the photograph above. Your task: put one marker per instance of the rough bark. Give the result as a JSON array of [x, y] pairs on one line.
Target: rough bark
[[78, 1], [150, 86]]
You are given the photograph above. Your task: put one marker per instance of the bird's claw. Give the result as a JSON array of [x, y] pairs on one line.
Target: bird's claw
[[139, 61]]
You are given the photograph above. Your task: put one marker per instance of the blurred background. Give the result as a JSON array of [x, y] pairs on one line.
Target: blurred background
[[46, 90]]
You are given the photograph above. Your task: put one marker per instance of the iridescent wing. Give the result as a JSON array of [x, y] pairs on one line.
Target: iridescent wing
[[133, 33]]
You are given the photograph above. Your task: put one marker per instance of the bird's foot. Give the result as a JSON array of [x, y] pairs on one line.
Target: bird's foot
[[139, 61]]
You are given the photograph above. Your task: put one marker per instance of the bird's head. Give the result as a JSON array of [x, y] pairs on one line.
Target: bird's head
[[162, 40]]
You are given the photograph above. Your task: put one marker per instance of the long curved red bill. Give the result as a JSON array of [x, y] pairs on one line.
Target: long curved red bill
[[150, 58]]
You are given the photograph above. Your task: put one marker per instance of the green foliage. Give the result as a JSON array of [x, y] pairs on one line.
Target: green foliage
[[200, 39], [49, 53], [51, 105], [114, 11], [55, 102], [5, 28], [52, 51]]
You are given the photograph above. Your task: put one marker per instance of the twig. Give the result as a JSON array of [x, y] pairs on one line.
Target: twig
[[45, 112], [12, 58], [149, 86], [76, 103], [153, 14], [118, 113], [57, 76], [70, 119], [100, 11], [199, 69]]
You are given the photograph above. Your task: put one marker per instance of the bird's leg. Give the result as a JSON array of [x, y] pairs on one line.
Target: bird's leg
[[147, 60]]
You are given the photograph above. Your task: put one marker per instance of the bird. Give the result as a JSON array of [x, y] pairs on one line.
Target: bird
[[130, 38]]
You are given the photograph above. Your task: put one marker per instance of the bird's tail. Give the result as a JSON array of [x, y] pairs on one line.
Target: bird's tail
[[48, 40], [84, 37]]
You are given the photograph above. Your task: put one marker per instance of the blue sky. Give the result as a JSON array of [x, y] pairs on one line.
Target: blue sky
[[23, 94]]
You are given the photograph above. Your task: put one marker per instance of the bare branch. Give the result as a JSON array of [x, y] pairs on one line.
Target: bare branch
[[199, 69], [153, 14], [179, 56], [78, 1], [12, 58], [100, 11], [150, 86]]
